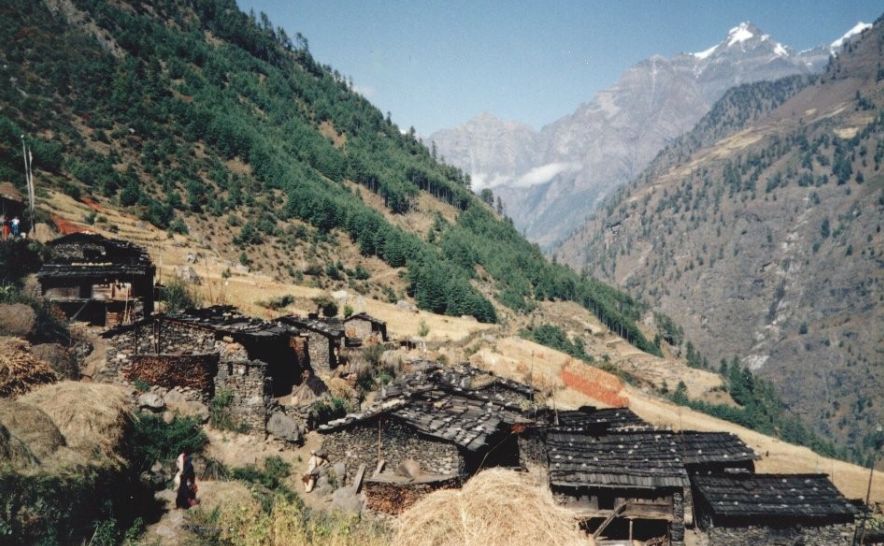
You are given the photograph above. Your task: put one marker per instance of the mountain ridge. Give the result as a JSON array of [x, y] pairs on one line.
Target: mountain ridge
[[608, 140], [760, 234]]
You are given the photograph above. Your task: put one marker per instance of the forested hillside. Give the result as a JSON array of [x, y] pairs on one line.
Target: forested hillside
[[759, 232], [201, 118]]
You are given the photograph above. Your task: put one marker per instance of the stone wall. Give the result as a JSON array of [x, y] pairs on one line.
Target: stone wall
[[358, 444], [676, 528], [532, 449], [826, 535], [192, 371], [358, 328], [251, 388], [322, 356], [154, 338]]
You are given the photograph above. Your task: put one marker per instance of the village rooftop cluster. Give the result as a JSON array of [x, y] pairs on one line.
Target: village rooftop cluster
[[434, 426]]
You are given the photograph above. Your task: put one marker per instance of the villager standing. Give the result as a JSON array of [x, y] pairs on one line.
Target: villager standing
[[186, 496], [5, 227], [16, 227]]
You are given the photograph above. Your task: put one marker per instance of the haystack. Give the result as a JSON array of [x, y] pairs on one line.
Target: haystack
[[92, 417], [20, 371], [495, 507], [29, 427]]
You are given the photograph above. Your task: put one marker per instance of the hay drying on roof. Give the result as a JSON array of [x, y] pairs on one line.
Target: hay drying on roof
[[20, 371], [92, 417], [495, 507]]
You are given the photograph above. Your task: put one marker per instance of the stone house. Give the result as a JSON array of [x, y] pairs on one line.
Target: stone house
[[98, 280], [365, 328], [325, 341], [622, 486], [748, 509], [217, 333]]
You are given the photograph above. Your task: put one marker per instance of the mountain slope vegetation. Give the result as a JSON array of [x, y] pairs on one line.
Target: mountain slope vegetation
[[201, 118], [759, 233]]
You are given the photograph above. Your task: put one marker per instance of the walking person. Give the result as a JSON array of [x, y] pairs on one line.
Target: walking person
[[16, 227]]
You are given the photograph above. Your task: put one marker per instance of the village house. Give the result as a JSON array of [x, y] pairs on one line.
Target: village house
[[325, 341], [365, 329], [715, 453], [428, 431], [98, 280], [213, 350], [749, 509], [623, 486]]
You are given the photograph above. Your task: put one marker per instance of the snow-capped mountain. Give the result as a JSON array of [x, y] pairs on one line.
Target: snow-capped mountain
[[551, 179]]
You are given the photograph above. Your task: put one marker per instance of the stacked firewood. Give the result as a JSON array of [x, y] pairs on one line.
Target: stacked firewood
[[20, 371]]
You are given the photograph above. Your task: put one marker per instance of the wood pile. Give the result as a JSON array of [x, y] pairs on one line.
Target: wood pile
[[20, 371]]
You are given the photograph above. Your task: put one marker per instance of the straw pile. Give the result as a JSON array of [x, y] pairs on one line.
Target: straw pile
[[27, 426], [495, 507], [20, 371], [92, 417]]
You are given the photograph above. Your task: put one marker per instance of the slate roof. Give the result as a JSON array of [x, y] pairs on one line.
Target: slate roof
[[89, 255], [590, 420], [714, 447], [439, 403], [462, 379], [365, 316], [806, 496], [329, 328], [223, 319], [645, 460]]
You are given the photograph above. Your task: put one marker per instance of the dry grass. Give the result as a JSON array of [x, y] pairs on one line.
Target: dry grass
[[27, 434], [92, 417], [495, 507], [19, 370]]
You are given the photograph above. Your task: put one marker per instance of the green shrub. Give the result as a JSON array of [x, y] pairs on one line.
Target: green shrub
[[155, 440], [219, 412], [179, 296]]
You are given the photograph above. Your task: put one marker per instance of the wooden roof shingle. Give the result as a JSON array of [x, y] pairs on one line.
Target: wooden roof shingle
[[645, 460], [714, 447], [807, 496]]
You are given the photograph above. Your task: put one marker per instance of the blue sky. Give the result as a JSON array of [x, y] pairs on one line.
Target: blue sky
[[438, 64]]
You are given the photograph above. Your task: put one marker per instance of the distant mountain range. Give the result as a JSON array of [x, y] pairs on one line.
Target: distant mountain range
[[550, 180], [759, 232]]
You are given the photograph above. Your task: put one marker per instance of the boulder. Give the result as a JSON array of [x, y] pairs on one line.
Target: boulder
[[151, 401], [284, 427], [16, 319], [347, 500]]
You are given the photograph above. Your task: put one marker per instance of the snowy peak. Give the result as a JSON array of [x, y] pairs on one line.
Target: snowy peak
[[856, 30], [742, 38], [741, 33]]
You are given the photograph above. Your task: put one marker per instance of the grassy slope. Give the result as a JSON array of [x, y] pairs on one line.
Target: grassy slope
[[199, 118]]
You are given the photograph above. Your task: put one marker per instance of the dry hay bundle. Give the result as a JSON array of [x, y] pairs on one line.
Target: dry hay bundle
[[92, 417], [495, 507], [32, 436], [20, 371], [339, 388]]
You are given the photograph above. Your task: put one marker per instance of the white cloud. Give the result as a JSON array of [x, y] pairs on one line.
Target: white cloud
[[545, 173], [366, 91]]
